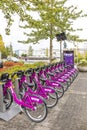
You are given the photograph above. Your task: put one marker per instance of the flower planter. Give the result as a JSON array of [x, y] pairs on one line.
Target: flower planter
[[82, 68]]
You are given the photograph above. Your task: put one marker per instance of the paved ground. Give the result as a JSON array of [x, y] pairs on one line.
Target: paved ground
[[69, 114]]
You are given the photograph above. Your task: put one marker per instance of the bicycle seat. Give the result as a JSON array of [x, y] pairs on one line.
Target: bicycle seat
[[51, 74], [42, 68], [43, 79], [4, 77], [20, 73], [29, 71], [37, 70], [29, 84]]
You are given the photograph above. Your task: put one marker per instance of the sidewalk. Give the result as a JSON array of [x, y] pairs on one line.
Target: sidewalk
[[69, 114]]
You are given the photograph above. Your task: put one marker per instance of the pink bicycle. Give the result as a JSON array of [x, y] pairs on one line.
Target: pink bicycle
[[33, 105], [48, 93]]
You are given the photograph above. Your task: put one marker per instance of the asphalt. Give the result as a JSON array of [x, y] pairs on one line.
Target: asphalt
[[69, 114]]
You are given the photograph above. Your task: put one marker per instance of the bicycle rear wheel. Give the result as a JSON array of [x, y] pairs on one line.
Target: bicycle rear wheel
[[52, 99], [37, 115]]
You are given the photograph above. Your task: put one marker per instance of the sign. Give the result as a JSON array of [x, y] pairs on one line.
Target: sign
[[61, 36], [68, 57]]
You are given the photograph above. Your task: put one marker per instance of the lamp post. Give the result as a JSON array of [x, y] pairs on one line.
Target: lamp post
[[65, 45], [61, 50], [61, 37], [77, 52]]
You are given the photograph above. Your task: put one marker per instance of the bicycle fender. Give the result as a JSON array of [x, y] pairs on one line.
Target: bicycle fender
[[36, 99], [49, 89]]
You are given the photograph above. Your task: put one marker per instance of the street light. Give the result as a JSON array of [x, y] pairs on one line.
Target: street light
[[61, 37]]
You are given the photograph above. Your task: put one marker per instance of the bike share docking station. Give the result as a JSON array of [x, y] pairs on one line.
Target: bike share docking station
[[14, 108], [68, 57]]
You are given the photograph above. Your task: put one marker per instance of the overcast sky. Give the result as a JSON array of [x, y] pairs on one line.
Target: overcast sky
[[17, 34]]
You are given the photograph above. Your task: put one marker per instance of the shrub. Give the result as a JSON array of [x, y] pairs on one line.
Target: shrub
[[13, 67], [9, 63], [79, 57], [83, 62], [38, 64]]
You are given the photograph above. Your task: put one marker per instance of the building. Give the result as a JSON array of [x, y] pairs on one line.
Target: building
[[39, 53], [20, 52]]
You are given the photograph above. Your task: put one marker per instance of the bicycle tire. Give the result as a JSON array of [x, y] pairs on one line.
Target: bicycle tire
[[52, 99], [68, 80], [65, 86], [60, 91], [39, 118], [8, 99]]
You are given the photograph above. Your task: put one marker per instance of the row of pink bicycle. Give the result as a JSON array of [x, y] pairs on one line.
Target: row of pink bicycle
[[39, 88]]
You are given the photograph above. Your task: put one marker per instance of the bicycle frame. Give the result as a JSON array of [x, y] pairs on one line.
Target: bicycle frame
[[54, 80], [42, 91], [62, 76], [66, 71], [26, 100], [49, 82]]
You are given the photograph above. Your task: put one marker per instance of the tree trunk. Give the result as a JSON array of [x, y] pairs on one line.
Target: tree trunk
[[51, 46], [60, 50], [51, 49]]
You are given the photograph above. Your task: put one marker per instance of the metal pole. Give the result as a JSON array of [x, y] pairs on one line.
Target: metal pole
[[17, 87], [60, 50], [2, 105]]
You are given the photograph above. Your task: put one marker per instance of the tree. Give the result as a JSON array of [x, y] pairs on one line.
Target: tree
[[15, 55], [53, 17], [12, 7], [8, 50], [30, 51], [11, 49], [24, 55], [5, 51], [1, 44], [2, 47]]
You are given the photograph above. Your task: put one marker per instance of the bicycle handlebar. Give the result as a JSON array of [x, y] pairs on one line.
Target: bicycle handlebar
[[13, 74], [29, 71], [18, 73], [4, 77]]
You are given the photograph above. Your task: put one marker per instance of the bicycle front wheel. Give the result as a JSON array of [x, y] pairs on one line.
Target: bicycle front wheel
[[60, 91], [65, 86], [39, 114], [7, 99], [52, 99]]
